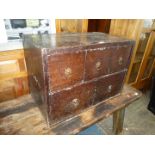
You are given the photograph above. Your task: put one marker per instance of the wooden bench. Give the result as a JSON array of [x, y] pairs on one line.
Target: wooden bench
[[22, 115]]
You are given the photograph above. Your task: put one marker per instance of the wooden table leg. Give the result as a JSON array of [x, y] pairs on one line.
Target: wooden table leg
[[118, 120]]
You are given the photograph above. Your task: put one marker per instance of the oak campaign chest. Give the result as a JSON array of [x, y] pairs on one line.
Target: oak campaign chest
[[70, 72]]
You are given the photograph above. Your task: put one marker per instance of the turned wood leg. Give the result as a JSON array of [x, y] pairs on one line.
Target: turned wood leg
[[118, 120]]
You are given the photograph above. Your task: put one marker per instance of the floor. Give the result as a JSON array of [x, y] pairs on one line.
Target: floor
[[138, 120]]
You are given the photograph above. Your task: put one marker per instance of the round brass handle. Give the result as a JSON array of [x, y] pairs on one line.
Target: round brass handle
[[120, 60], [72, 105], [75, 102], [98, 65], [68, 72], [109, 88]]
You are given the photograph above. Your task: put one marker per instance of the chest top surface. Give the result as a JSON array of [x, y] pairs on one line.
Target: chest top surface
[[72, 40]]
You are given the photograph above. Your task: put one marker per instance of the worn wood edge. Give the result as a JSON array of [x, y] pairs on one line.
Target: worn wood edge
[[20, 104], [29, 122], [86, 123], [76, 131]]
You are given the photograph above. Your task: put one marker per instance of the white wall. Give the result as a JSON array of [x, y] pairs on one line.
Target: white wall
[[52, 25], [3, 35]]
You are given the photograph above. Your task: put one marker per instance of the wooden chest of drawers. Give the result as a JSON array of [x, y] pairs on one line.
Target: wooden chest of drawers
[[69, 73]]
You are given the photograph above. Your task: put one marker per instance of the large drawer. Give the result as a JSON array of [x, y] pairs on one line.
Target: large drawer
[[72, 101]]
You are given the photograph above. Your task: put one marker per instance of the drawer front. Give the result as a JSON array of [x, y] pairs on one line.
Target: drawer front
[[71, 101], [109, 86], [119, 58], [106, 61], [97, 63], [65, 69]]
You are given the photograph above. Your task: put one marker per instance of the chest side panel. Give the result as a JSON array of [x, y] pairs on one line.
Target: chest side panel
[[34, 63]]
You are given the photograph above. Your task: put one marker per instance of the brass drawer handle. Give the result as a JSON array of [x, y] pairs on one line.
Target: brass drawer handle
[[120, 60], [75, 102], [68, 72], [72, 105], [98, 65], [109, 88]]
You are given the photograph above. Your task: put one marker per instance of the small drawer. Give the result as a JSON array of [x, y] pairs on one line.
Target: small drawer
[[119, 58], [65, 69], [97, 63], [68, 102], [109, 86]]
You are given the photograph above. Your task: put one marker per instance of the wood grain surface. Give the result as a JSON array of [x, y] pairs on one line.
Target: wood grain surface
[[13, 75]]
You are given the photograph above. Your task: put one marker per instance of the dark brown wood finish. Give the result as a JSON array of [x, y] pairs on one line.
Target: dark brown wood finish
[[34, 64], [109, 86], [65, 69], [99, 25], [73, 71], [97, 63], [71, 101], [68, 102], [120, 57]]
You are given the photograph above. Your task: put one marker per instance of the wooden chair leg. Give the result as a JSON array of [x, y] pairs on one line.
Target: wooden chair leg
[[118, 120]]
